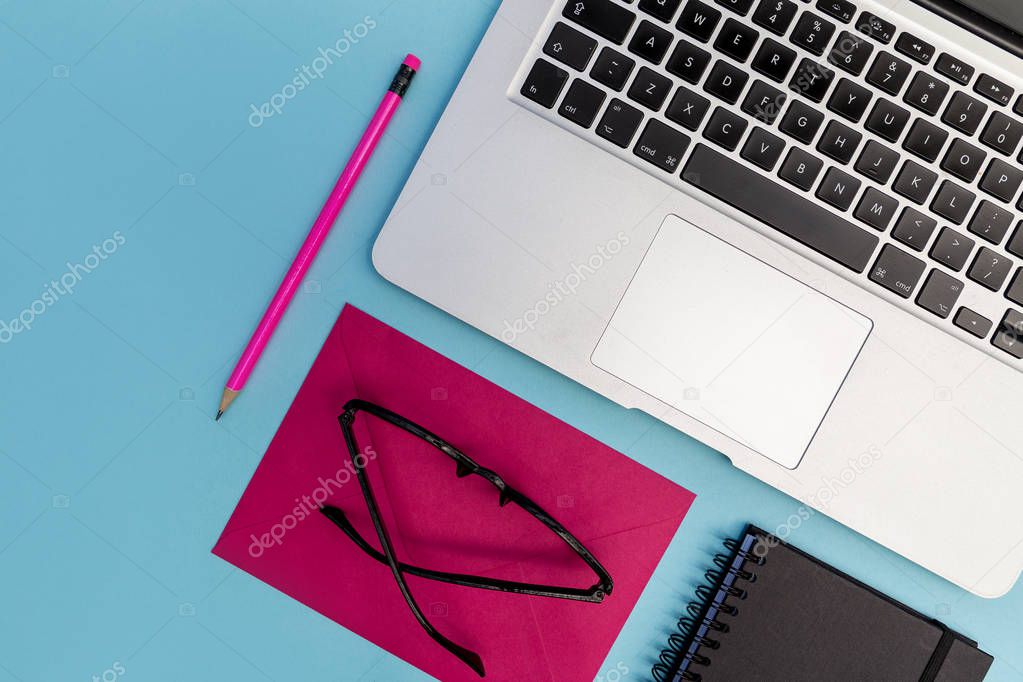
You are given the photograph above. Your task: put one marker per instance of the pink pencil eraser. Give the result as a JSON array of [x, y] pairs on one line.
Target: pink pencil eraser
[[412, 62]]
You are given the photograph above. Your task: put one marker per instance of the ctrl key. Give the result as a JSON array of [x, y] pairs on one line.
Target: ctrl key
[[544, 83], [1009, 336], [897, 271], [662, 146]]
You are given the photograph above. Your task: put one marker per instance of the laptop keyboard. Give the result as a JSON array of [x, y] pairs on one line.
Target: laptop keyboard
[[894, 159]]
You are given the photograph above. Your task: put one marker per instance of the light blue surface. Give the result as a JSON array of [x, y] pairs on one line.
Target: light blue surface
[[131, 118]]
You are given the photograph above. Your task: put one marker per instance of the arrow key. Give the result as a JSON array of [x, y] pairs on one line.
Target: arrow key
[[569, 46], [972, 322]]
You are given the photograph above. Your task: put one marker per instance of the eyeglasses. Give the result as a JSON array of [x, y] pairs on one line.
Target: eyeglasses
[[464, 466]]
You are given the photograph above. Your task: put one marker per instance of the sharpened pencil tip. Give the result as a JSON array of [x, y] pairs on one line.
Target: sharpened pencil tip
[[220, 413], [225, 401]]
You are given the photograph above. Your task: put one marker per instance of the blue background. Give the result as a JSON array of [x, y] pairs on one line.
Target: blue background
[[119, 115]]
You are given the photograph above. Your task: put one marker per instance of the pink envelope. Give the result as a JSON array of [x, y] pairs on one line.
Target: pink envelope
[[622, 512]]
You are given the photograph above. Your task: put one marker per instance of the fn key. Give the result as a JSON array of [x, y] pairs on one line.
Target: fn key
[[544, 83]]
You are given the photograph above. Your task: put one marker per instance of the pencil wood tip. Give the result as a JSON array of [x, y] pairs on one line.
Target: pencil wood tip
[[225, 401]]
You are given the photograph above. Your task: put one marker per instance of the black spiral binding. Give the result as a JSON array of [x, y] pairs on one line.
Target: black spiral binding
[[699, 630]]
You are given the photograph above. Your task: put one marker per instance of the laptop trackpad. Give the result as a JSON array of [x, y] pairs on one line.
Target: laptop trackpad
[[732, 342]]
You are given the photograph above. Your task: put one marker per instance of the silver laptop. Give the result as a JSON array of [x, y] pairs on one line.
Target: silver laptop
[[788, 228]]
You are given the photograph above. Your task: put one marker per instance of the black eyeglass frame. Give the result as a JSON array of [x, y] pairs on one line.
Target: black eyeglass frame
[[464, 466]]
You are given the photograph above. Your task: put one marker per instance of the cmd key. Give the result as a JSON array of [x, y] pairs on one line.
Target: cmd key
[[605, 18]]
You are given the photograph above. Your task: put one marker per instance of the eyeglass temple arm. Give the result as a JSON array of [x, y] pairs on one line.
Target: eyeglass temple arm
[[470, 658], [593, 594]]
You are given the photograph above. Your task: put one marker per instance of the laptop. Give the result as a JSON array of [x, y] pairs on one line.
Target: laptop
[[788, 228]]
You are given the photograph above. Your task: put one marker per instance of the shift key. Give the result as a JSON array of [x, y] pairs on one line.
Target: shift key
[[897, 271]]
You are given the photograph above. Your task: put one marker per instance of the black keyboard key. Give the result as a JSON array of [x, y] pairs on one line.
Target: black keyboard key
[[851, 53], [956, 69], [736, 40], [1002, 180], [990, 269], [887, 120], [763, 149], [994, 89], [940, 293], [972, 322], [740, 6], [797, 217], [612, 69], [877, 162], [604, 17], [725, 128], [952, 249], [688, 62], [876, 209], [1009, 336], [964, 113], [698, 20], [991, 222], [915, 182], [1015, 291], [839, 142], [843, 10], [914, 229], [774, 60], [726, 82], [650, 41], [897, 271], [877, 28], [801, 121], [953, 202], [963, 160], [687, 108], [889, 73], [775, 15], [662, 145], [764, 102], [811, 80], [1015, 245], [914, 48], [544, 83], [650, 88], [801, 169], [660, 9], [619, 123], [812, 33], [926, 93], [838, 189], [569, 46], [1002, 133], [925, 139], [581, 103], [850, 100]]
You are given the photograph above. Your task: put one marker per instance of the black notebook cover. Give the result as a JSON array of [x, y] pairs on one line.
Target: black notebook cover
[[772, 612]]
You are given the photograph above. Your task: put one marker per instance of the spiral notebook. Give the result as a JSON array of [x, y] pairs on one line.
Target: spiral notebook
[[772, 612]]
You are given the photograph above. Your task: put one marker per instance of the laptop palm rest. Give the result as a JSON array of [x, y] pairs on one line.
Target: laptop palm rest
[[731, 341]]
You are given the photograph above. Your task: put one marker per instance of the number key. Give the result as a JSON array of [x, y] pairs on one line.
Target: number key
[[813, 33], [1002, 133], [964, 113], [775, 15], [926, 93], [889, 73]]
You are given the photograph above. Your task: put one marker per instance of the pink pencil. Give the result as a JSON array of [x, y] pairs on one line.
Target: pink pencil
[[319, 231]]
